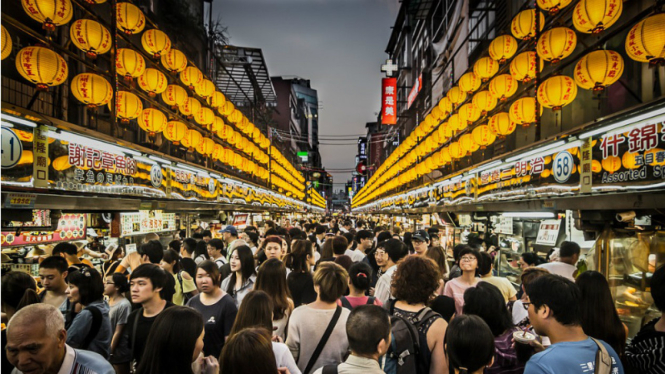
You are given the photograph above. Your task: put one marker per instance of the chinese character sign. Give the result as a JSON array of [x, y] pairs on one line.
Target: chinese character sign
[[91, 158], [389, 101]]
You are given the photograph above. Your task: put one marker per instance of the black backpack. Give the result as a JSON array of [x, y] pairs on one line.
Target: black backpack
[[405, 354], [347, 304], [94, 328]]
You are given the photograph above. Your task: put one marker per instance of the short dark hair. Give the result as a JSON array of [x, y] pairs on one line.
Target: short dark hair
[[349, 236], [66, 248], [308, 226], [468, 250], [569, 249], [396, 249], [153, 249], [218, 244], [457, 249], [561, 295], [347, 223], [432, 231], [468, 343], [320, 229], [378, 229], [366, 326], [253, 237], [189, 245], [207, 233], [296, 233], [532, 258], [364, 234], [212, 269], [383, 236], [55, 262], [339, 245], [121, 282], [250, 229], [658, 288], [272, 232], [90, 284], [175, 245], [486, 301], [332, 280], [484, 263], [156, 274]]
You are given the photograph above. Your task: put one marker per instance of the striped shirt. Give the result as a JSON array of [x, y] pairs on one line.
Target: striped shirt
[[646, 352], [81, 362]]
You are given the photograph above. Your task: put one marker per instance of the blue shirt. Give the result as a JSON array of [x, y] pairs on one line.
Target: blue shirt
[[570, 358]]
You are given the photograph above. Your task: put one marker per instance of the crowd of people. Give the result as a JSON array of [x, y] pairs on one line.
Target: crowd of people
[[318, 297]]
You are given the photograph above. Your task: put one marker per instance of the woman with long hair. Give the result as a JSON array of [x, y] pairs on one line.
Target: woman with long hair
[[486, 301], [175, 342], [243, 274], [119, 353], [438, 255], [469, 345], [413, 285], [300, 280], [327, 250], [18, 290], [272, 280], [184, 284], [86, 287], [248, 352], [256, 311], [600, 319], [215, 305], [200, 252]]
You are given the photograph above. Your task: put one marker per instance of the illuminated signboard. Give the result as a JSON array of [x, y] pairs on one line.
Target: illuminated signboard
[[389, 101], [414, 91]]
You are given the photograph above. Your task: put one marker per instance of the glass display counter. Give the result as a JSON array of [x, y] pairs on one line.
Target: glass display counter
[[628, 259]]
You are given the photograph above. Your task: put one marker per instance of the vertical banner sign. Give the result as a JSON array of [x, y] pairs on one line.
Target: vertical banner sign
[[389, 101], [40, 160], [586, 161]]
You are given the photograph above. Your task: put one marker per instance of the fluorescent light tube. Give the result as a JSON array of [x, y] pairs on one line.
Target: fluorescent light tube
[[529, 214], [629, 121]]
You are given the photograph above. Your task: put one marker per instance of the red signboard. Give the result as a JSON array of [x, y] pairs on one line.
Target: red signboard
[[389, 101], [70, 227], [414, 91]]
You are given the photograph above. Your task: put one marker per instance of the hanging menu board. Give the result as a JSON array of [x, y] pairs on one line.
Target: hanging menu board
[[146, 221]]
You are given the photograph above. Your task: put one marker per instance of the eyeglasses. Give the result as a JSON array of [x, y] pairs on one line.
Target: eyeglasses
[[379, 253], [468, 259], [526, 306]]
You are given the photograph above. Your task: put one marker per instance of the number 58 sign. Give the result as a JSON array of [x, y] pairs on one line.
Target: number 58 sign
[[12, 148], [562, 167]]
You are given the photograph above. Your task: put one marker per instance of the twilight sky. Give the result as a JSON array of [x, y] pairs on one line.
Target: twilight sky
[[337, 44]]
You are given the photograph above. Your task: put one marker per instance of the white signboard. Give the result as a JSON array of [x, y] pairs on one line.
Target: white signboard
[[504, 225], [548, 232]]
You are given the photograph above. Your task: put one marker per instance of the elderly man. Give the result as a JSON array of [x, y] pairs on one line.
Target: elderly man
[[36, 339]]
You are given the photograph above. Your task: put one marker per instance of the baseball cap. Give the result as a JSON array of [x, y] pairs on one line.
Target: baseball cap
[[230, 229], [421, 235]]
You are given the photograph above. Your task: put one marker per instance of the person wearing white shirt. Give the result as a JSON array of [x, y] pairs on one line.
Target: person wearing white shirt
[[396, 251], [569, 253], [364, 240]]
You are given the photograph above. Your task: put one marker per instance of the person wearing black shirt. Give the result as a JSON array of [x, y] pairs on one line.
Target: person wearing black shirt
[[146, 283]]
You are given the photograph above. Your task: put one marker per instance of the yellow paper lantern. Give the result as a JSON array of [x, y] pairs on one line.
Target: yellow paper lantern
[[129, 63], [217, 152], [469, 113], [484, 101], [598, 70], [546, 173], [41, 66], [557, 92], [205, 88], [216, 100], [155, 42], [556, 44], [50, 13], [91, 89], [445, 132], [523, 25], [485, 68], [594, 16], [503, 86], [208, 146], [175, 131], [523, 111], [217, 125], [192, 139], [467, 144], [61, 163], [445, 105], [596, 167], [553, 6], [523, 67], [174, 95], [225, 132], [128, 106], [153, 82], [646, 40], [191, 77], [190, 107], [227, 108], [469, 82], [437, 113], [90, 37], [152, 121], [6, 43], [204, 117], [628, 160], [130, 18], [483, 136], [456, 95], [456, 150], [611, 164], [501, 125], [455, 123], [174, 61], [502, 48]]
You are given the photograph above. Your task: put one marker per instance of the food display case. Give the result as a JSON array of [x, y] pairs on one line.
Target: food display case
[[628, 258]]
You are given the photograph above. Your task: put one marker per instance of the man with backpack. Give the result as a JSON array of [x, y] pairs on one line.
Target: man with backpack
[[368, 330]]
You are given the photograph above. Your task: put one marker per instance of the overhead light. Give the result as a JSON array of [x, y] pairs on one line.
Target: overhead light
[[188, 168], [637, 120], [160, 159], [18, 120], [535, 151], [529, 215], [491, 165], [144, 159]]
